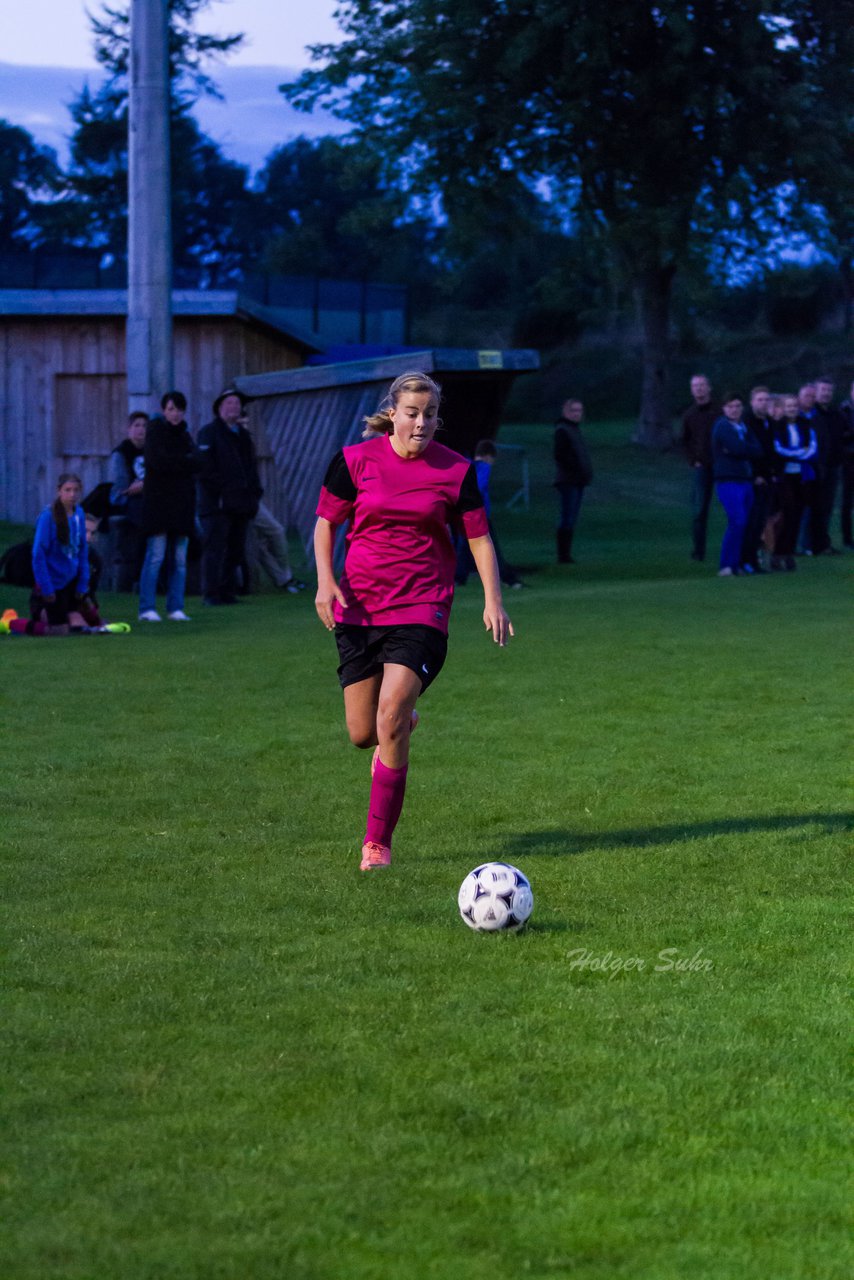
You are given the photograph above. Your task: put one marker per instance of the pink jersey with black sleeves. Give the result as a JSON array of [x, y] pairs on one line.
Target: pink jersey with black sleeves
[[400, 560]]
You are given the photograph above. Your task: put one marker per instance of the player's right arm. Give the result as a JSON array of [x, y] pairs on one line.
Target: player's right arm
[[334, 508], [328, 590]]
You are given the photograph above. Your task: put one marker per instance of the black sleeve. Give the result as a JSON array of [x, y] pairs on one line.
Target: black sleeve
[[338, 480], [470, 495], [564, 451]]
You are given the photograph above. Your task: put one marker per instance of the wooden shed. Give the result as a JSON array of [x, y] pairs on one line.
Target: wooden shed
[[305, 415], [63, 389]]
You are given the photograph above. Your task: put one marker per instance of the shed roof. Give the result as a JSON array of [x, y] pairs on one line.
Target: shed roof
[[185, 302], [379, 368]]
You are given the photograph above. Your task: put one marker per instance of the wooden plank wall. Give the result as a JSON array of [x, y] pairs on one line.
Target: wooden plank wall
[[305, 429], [54, 367]]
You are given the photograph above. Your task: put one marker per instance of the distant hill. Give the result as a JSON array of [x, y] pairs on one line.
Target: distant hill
[[252, 120]]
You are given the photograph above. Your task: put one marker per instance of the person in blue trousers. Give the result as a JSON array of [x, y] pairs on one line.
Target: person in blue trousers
[[735, 450]]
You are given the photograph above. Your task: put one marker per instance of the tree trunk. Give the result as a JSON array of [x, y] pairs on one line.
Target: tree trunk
[[653, 288]]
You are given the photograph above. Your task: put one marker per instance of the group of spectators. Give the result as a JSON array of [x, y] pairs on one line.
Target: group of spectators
[[776, 466], [164, 490], [167, 489]]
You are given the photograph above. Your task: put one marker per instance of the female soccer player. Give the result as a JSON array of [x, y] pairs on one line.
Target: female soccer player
[[399, 489]]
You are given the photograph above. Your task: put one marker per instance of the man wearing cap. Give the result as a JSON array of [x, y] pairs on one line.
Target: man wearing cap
[[229, 493]]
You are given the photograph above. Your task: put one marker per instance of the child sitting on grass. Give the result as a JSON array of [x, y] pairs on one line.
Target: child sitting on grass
[[60, 600]]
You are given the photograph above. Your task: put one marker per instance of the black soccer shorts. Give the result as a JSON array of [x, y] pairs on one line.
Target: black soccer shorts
[[364, 650]]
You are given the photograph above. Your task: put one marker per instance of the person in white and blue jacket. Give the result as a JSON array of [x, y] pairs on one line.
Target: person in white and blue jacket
[[735, 450], [60, 596]]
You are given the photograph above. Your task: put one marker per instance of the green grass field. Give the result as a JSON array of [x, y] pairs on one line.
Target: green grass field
[[230, 1055]]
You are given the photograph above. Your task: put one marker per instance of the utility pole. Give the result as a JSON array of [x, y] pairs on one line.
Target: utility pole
[[149, 322]]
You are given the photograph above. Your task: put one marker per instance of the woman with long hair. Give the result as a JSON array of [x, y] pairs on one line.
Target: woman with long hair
[[398, 490], [60, 599]]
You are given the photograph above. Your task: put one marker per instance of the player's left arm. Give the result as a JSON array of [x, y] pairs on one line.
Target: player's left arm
[[495, 618]]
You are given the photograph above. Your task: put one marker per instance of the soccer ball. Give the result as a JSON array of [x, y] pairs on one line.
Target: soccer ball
[[495, 896]]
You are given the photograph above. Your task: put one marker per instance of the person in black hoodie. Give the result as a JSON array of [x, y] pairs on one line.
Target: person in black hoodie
[[172, 462], [830, 433], [759, 423], [796, 445], [229, 493], [697, 423], [573, 473], [847, 414], [127, 475]]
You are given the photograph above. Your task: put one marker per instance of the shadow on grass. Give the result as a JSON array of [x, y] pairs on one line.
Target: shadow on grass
[[565, 843]]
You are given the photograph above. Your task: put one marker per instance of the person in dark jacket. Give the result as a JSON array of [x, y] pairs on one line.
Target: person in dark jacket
[[127, 476], [847, 414], [697, 423], [735, 450], [758, 421], [172, 462], [830, 434], [796, 445], [573, 473], [229, 493]]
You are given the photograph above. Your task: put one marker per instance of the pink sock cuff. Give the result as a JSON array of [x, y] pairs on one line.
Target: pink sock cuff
[[392, 775]]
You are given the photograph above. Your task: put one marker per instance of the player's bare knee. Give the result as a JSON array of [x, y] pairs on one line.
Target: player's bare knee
[[392, 720], [362, 736]]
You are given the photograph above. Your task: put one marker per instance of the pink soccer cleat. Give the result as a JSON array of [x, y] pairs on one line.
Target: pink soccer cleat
[[374, 855]]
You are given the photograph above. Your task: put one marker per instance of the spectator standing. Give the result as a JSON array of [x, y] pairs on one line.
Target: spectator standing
[[758, 421], [172, 462], [697, 424], [271, 551], [573, 473], [830, 431], [734, 451], [229, 493], [127, 476], [806, 533], [485, 455], [270, 546], [795, 444], [847, 414]]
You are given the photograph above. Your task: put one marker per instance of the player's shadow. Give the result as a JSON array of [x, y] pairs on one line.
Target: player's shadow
[[568, 843]]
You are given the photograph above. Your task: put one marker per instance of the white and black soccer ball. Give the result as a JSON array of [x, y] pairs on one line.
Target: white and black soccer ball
[[495, 896]]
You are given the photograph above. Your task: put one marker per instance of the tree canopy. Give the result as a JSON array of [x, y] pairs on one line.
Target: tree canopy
[[30, 179], [652, 120]]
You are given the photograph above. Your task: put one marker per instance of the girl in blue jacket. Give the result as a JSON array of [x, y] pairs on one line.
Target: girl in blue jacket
[[61, 565]]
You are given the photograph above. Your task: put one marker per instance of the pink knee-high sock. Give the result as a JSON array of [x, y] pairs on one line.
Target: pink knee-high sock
[[387, 791]]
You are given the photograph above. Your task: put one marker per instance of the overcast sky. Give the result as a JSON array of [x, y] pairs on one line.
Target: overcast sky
[[56, 33]]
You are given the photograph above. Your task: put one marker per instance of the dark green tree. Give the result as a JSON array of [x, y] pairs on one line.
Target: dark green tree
[[190, 51], [825, 154], [212, 206], [30, 179], [641, 117], [211, 203], [324, 207]]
